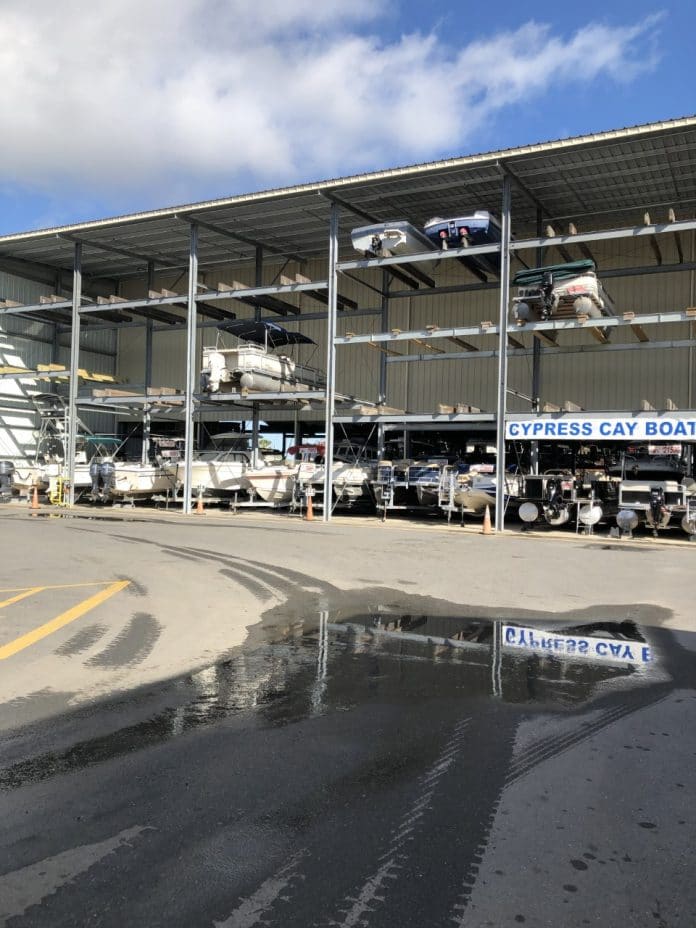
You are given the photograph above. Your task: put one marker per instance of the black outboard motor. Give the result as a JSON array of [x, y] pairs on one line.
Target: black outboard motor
[[108, 476], [556, 511], [95, 477], [657, 509], [7, 469], [548, 301]]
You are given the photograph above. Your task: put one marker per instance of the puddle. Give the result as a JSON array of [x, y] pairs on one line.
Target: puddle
[[417, 663]]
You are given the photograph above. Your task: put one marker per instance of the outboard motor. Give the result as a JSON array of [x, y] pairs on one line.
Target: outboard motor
[[107, 471], [214, 372], [556, 511], [548, 300], [95, 477], [658, 515], [7, 469]]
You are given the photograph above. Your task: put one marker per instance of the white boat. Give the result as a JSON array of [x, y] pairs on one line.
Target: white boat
[[45, 476], [653, 490], [559, 291], [273, 483], [477, 488], [384, 239], [354, 468], [133, 480], [251, 366], [350, 479], [213, 473], [465, 230]]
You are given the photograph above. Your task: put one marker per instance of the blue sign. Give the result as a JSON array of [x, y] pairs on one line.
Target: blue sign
[[576, 646]]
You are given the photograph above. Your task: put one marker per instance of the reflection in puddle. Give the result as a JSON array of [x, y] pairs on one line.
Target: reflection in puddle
[[323, 665]]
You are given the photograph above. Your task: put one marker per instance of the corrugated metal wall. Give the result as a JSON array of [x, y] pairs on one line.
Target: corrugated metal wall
[[24, 343], [594, 380]]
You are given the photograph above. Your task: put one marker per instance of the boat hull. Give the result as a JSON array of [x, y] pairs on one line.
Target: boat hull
[[134, 480], [271, 484], [211, 478], [390, 238], [471, 229]]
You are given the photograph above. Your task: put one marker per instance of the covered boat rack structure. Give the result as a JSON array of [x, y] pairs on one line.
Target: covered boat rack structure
[[635, 185]]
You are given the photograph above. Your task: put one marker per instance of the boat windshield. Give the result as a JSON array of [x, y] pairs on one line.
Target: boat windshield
[[216, 455]]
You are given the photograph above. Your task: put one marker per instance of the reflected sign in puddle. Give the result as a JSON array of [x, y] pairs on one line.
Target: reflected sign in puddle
[[417, 664]]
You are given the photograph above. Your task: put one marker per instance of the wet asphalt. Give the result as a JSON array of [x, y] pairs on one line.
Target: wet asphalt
[[355, 764]]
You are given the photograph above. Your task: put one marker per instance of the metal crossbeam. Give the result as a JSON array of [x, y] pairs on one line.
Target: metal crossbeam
[[653, 229]]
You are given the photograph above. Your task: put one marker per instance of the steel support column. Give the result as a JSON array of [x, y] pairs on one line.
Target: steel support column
[[258, 282], [382, 396], [331, 360], [536, 358], [191, 366], [71, 450], [501, 408], [149, 326]]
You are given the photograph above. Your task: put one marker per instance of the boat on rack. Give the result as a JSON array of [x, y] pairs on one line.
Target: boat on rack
[[476, 489], [271, 483], [467, 230], [654, 489], [252, 366], [131, 480], [305, 468], [560, 291], [352, 471], [384, 239], [213, 472], [48, 471]]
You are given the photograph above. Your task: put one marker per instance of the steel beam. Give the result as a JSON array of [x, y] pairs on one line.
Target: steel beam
[[331, 362], [501, 407], [451, 332], [274, 290], [244, 239], [117, 250], [191, 367], [418, 420], [74, 367], [658, 228], [560, 325], [561, 349]]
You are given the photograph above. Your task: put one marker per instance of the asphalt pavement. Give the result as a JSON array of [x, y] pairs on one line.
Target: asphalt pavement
[[241, 722]]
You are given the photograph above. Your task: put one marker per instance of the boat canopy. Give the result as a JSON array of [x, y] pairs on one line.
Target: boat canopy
[[265, 333], [533, 276]]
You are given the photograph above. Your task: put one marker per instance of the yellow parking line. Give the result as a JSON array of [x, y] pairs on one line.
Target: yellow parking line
[[55, 586], [24, 641], [19, 596]]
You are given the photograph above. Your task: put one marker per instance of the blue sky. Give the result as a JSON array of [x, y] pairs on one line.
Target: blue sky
[[128, 105]]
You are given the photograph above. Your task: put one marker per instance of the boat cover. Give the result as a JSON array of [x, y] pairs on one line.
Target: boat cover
[[265, 333], [533, 276]]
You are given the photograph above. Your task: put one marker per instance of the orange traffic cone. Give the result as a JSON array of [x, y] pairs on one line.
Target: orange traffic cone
[[487, 529], [199, 504], [310, 507], [35, 498]]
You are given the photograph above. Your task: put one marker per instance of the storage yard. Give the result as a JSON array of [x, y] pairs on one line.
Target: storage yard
[[532, 356], [348, 544]]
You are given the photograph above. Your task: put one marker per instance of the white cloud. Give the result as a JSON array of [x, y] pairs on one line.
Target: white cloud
[[129, 94]]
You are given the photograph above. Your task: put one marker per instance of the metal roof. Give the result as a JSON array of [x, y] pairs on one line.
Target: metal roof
[[597, 181]]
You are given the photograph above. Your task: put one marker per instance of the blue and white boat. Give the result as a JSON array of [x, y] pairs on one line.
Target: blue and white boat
[[465, 230]]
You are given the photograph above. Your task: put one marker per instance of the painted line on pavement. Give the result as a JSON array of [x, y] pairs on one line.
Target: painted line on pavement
[[54, 586], [65, 618], [20, 596]]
